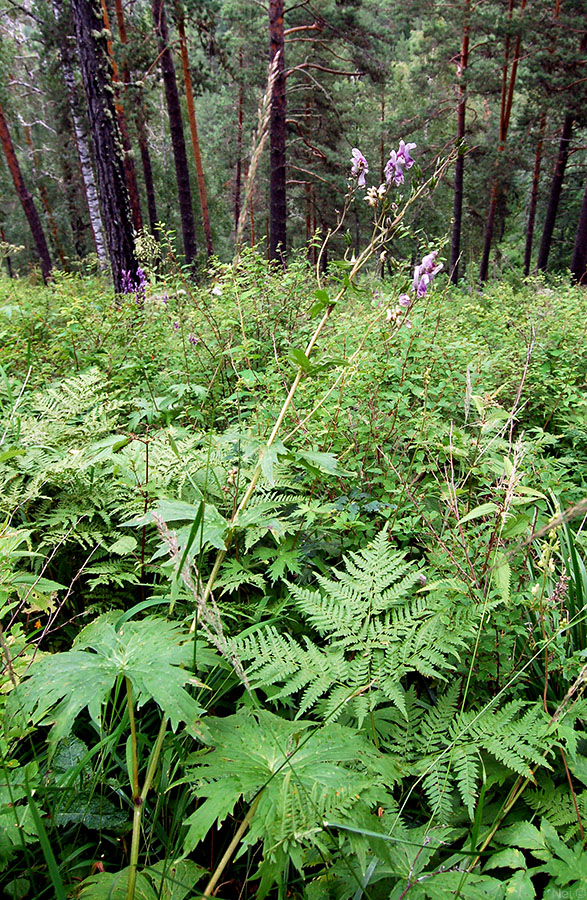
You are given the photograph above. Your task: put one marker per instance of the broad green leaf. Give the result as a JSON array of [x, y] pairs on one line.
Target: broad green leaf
[[322, 303], [113, 886], [211, 533], [520, 887], [506, 859], [151, 653], [326, 462], [174, 880], [299, 358], [484, 510]]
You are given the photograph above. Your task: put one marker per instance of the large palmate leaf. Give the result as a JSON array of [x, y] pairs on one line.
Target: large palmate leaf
[[167, 880], [153, 654], [296, 773]]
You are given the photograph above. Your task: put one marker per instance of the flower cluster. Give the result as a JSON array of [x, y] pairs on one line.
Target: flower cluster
[[138, 287], [397, 162], [359, 168], [425, 272]]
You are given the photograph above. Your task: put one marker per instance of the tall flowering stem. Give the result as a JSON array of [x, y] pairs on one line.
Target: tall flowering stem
[[383, 230]]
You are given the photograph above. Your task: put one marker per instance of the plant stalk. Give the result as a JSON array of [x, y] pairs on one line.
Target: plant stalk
[[231, 848]]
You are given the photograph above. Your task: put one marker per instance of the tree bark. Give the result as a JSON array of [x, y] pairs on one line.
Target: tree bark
[[555, 191], [189, 96], [455, 250], [176, 130], [277, 195], [25, 198], [534, 195], [109, 152], [81, 141], [579, 261], [128, 160]]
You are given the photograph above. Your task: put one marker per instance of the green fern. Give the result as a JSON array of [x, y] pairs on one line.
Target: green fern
[[375, 631]]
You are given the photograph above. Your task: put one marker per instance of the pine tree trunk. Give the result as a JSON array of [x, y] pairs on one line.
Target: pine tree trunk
[[534, 196], [189, 96], [455, 250], [109, 152], [555, 191], [128, 160], [81, 141], [579, 261], [25, 198], [176, 130], [277, 195]]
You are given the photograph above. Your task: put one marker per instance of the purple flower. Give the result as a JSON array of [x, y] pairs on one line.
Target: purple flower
[[397, 162], [359, 168], [176, 326], [405, 301], [127, 283], [425, 272], [404, 154], [192, 339], [394, 169]]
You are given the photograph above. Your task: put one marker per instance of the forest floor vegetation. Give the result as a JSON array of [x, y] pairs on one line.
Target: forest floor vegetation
[[341, 659]]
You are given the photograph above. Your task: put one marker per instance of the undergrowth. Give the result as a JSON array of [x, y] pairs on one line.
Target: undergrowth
[[341, 660]]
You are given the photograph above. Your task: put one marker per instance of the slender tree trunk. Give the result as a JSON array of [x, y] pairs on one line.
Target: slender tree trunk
[[277, 195], [239, 143], [555, 191], [534, 195], [109, 153], [7, 257], [176, 130], [81, 141], [189, 96], [579, 260], [146, 162], [508, 82], [455, 250], [25, 198], [128, 160]]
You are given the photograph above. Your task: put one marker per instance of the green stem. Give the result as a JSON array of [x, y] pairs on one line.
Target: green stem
[[139, 799], [133, 738], [231, 848]]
